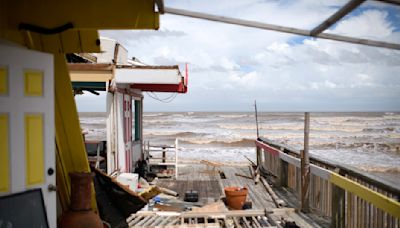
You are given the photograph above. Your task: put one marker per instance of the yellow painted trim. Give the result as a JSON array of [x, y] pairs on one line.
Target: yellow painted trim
[[69, 41], [3, 80], [377, 199], [34, 149], [4, 154], [86, 17], [89, 14], [33, 83], [71, 152]]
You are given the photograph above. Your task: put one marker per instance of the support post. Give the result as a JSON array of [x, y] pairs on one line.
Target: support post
[[176, 158], [305, 167], [164, 154]]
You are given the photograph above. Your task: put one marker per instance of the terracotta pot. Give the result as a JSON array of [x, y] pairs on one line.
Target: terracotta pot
[[236, 197], [80, 213]]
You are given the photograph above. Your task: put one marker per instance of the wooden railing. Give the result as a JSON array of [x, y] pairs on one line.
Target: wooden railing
[[346, 196], [162, 155]]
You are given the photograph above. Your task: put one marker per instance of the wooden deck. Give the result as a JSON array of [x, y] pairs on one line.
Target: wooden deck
[[209, 183], [208, 190]]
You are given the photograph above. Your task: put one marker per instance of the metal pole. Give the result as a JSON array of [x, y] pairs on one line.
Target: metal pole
[[345, 10], [98, 156], [305, 167], [258, 151], [266, 26], [255, 106]]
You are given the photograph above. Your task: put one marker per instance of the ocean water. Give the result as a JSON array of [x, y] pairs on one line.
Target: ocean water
[[369, 142]]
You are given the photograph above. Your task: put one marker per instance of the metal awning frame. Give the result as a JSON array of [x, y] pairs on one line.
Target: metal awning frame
[[317, 32]]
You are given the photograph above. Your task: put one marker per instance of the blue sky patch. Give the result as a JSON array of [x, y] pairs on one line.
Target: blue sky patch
[[393, 14], [298, 40]]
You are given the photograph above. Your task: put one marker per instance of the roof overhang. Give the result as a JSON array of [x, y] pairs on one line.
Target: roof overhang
[[152, 78], [144, 78], [148, 75], [83, 72], [91, 77], [71, 26]]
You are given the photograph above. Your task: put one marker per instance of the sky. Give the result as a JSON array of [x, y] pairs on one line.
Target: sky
[[231, 66]]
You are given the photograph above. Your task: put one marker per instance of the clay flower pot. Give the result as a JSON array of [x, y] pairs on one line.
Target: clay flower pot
[[80, 213], [236, 197]]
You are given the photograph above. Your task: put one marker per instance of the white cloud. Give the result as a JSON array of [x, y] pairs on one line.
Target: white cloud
[[370, 24], [230, 66]]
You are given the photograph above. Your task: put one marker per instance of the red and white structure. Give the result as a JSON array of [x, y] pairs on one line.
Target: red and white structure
[[125, 81]]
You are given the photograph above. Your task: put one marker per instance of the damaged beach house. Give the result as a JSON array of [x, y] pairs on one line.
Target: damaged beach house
[[139, 183], [124, 152]]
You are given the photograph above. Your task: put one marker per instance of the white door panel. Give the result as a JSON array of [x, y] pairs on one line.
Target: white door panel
[[27, 108]]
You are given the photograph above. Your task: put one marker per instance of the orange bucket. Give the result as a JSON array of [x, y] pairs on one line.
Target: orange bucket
[[235, 197]]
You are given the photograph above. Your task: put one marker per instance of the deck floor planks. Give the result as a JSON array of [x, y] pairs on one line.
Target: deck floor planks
[[210, 185], [182, 186], [257, 194]]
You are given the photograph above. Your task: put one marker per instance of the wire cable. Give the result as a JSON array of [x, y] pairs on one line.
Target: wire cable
[[164, 100]]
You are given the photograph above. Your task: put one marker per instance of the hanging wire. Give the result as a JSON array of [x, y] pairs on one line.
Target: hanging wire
[[164, 100]]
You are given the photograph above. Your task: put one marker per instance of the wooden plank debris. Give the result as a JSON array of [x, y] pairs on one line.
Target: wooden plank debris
[[212, 207], [238, 218], [211, 187], [168, 191], [278, 202], [211, 167], [245, 176]]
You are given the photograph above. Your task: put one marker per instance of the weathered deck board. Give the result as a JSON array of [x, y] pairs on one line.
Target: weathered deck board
[[210, 185], [206, 189], [199, 177]]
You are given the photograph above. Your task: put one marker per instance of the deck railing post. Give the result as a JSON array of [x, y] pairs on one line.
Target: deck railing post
[[338, 207], [282, 173], [305, 167]]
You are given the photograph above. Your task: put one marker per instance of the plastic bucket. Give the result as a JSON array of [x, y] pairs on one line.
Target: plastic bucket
[[236, 197], [129, 179]]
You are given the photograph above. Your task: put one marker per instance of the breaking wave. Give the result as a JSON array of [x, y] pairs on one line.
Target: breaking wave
[[95, 120], [187, 134], [153, 114], [158, 121], [234, 143], [379, 130], [380, 169], [95, 134], [233, 116], [352, 145], [299, 127]]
